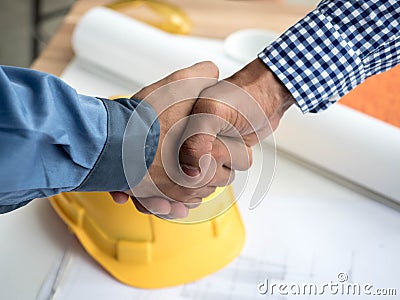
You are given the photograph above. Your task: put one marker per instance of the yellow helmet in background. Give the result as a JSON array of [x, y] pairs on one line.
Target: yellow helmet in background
[[148, 252]]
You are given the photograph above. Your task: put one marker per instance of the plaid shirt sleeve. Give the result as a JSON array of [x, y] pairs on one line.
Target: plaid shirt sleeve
[[334, 49]]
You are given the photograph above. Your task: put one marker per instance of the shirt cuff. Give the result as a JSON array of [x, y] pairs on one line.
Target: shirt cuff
[[7, 208], [108, 172], [315, 61]]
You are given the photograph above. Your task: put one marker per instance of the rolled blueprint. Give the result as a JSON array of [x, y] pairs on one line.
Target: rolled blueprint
[[138, 52]]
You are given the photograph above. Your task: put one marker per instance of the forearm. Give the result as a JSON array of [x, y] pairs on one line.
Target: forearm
[[334, 49], [55, 140]]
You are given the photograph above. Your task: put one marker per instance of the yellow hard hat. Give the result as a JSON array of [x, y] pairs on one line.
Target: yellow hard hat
[[160, 14], [148, 252]]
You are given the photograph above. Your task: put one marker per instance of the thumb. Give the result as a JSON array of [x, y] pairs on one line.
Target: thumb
[[208, 120], [195, 154]]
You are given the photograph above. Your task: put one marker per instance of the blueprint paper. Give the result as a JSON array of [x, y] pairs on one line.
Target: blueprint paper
[[296, 235]]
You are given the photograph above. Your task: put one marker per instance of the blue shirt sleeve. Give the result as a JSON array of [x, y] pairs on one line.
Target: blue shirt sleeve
[[334, 49], [53, 139]]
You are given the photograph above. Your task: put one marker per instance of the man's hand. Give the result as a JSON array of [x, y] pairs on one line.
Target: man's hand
[[166, 190], [248, 104]]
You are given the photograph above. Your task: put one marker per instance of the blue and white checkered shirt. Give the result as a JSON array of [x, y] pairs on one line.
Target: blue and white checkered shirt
[[334, 49]]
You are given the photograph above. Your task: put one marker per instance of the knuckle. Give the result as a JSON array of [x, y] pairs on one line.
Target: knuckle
[[206, 105], [189, 150], [196, 143], [219, 154], [179, 75], [211, 68]]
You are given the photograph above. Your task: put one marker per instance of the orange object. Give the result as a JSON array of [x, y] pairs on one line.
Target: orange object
[[378, 96]]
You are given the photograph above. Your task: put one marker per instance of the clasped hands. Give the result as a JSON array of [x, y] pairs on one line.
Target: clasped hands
[[206, 135]]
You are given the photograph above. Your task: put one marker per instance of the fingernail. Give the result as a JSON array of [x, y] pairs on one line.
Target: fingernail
[[190, 170]]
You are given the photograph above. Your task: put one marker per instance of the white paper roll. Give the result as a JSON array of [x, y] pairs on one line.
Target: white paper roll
[[348, 143], [138, 52]]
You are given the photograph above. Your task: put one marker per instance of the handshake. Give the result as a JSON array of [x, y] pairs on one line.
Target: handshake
[[207, 129]]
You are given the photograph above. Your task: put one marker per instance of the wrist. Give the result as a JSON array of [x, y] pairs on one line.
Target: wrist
[[265, 87]]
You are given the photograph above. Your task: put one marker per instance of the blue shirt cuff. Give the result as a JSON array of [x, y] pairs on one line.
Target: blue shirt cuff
[[7, 208], [108, 172]]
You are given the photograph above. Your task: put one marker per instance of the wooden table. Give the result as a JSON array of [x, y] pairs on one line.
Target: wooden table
[[378, 96]]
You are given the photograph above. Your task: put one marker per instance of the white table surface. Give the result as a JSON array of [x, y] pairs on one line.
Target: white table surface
[[308, 226]]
